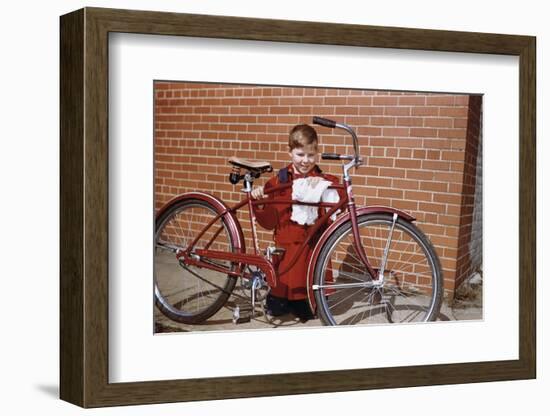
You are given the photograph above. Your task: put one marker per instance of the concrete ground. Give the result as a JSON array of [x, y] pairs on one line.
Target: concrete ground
[[466, 306]]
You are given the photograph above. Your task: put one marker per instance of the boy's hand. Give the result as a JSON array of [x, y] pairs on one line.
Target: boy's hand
[[314, 181], [258, 192]]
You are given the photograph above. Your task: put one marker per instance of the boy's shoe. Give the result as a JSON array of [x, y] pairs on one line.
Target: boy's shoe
[[301, 310], [276, 306]]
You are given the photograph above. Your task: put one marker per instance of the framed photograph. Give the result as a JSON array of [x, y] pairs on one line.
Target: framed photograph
[[171, 121], [422, 157]]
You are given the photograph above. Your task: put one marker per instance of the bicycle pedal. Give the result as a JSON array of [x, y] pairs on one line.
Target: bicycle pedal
[[242, 319], [242, 314]]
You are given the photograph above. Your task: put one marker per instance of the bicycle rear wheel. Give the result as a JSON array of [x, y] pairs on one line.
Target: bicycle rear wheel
[[412, 286], [188, 293]]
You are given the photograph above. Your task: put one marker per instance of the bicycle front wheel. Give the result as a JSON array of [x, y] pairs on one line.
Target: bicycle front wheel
[[409, 282], [188, 293]]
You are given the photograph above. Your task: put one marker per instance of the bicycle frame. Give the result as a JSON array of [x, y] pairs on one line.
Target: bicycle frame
[[198, 257]]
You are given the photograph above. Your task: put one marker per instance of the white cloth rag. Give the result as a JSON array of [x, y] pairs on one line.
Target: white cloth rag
[[304, 191]]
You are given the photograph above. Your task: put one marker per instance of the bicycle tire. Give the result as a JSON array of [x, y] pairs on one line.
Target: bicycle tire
[[184, 293], [413, 295]]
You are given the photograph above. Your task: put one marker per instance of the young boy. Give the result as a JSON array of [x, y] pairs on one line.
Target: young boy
[[290, 295]]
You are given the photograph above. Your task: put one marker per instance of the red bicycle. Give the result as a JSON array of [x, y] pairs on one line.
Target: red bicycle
[[371, 265]]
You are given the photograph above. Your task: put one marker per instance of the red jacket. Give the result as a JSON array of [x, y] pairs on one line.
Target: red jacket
[[289, 235]]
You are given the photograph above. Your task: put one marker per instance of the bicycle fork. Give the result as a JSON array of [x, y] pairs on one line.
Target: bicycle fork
[[359, 249], [377, 277]]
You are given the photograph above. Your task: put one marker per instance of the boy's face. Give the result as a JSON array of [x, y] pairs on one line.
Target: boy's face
[[303, 158]]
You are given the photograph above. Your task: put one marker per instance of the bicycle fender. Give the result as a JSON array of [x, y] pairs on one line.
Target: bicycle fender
[[234, 226], [373, 209]]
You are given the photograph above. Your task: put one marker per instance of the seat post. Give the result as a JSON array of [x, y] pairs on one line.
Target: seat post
[[248, 181]]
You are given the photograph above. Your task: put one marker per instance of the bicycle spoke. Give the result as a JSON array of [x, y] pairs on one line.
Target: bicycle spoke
[[369, 298], [371, 245], [353, 317], [411, 273], [357, 259], [201, 279], [412, 254], [407, 269], [346, 298], [403, 294], [181, 237], [167, 246], [419, 308], [352, 277]]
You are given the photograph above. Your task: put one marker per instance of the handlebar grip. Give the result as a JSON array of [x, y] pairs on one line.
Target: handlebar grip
[[330, 156], [324, 122]]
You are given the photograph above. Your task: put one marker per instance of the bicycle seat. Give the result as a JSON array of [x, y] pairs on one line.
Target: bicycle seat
[[251, 164]]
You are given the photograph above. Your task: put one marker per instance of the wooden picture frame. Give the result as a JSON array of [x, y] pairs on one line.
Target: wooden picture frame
[[84, 207]]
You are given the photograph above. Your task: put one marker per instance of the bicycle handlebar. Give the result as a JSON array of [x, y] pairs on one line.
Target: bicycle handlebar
[[337, 156], [330, 156], [332, 124], [324, 122]]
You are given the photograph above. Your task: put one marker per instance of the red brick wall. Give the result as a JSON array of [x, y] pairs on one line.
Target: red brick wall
[[415, 146]]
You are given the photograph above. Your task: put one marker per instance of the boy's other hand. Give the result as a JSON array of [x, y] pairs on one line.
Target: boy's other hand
[[258, 192]]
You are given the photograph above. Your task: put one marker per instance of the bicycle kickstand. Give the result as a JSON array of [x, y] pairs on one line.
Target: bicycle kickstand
[[244, 313]]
